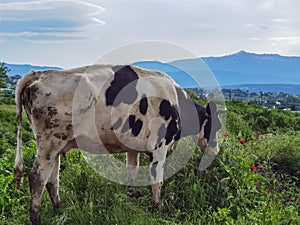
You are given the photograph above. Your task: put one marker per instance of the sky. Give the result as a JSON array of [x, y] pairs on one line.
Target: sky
[[72, 33]]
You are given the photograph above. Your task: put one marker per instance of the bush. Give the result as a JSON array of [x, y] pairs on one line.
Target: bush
[[254, 120]]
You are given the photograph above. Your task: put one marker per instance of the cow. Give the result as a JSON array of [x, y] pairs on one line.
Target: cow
[[104, 109]]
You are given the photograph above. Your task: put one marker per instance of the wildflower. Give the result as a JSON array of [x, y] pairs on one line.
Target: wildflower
[[253, 168], [225, 134], [261, 167], [213, 174], [242, 141]]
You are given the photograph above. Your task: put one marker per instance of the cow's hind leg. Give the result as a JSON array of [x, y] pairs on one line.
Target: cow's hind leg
[[53, 184], [157, 162], [132, 166], [38, 177]]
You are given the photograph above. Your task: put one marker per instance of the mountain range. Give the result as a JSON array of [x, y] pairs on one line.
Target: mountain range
[[22, 69], [255, 72]]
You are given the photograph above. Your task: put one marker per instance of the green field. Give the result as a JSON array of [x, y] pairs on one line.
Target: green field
[[252, 183]]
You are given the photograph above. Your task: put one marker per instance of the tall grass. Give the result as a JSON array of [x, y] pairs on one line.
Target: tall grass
[[229, 192]]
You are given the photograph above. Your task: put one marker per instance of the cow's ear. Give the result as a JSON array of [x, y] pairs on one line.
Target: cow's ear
[[211, 108]]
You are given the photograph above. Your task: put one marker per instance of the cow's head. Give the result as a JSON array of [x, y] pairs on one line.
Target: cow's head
[[207, 138]]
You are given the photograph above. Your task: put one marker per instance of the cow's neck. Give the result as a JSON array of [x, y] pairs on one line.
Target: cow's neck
[[192, 114]]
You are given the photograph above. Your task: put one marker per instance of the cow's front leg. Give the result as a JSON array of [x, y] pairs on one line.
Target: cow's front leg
[[38, 176], [157, 162], [132, 166], [53, 184]]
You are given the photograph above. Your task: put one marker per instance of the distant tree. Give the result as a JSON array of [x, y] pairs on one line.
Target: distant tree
[[3, 74]]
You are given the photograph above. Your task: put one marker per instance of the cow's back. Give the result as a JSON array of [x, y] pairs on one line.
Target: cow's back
[[109, 108]]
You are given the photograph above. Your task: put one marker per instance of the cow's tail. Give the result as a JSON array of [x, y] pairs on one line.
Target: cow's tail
[[24, 82]]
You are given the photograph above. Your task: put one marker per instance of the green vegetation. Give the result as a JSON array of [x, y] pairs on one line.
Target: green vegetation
[[3, 74], [252, 183]]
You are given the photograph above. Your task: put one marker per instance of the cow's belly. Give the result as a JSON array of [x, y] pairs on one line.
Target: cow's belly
[[108, 143], [96, 131]]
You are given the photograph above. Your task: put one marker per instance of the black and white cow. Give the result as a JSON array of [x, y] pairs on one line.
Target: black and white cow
[[106, 109]]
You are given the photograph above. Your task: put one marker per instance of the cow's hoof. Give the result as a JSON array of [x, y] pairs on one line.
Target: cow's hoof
[[133, 193], [156, 207], [57, 208]]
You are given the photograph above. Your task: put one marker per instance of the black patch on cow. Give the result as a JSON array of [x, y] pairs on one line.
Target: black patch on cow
[[162, 131], [213, 124], [144, 105], [37, 113], [172, 130], [133, 124], [51, 123], [153, 169], [57, 135], [69, 127], [124, 76], [201, 113], [52, 111], [131, 120], [48, 94], [165, 109], [137, 127], [178, 135], [63, 136], [117, 124], [150, 154], [168, 111]]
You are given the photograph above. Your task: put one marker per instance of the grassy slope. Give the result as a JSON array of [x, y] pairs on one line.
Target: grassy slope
[[228, 193]]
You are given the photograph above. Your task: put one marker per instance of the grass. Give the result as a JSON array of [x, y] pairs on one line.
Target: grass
[[227, 193]]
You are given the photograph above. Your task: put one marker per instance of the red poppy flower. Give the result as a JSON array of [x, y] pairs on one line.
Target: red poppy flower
[[213, 174], [261, 167], [253, 168], [225, 134], [242, 141]]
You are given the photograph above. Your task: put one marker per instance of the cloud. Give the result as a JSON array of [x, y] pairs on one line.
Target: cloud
[[50, 19], [28, 27]]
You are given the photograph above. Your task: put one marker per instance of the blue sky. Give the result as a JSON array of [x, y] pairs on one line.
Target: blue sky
[[71, 33]]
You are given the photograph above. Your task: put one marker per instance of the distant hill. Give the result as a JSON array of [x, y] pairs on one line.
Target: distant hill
[[249, 68], [22, 69], [257, 72]]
